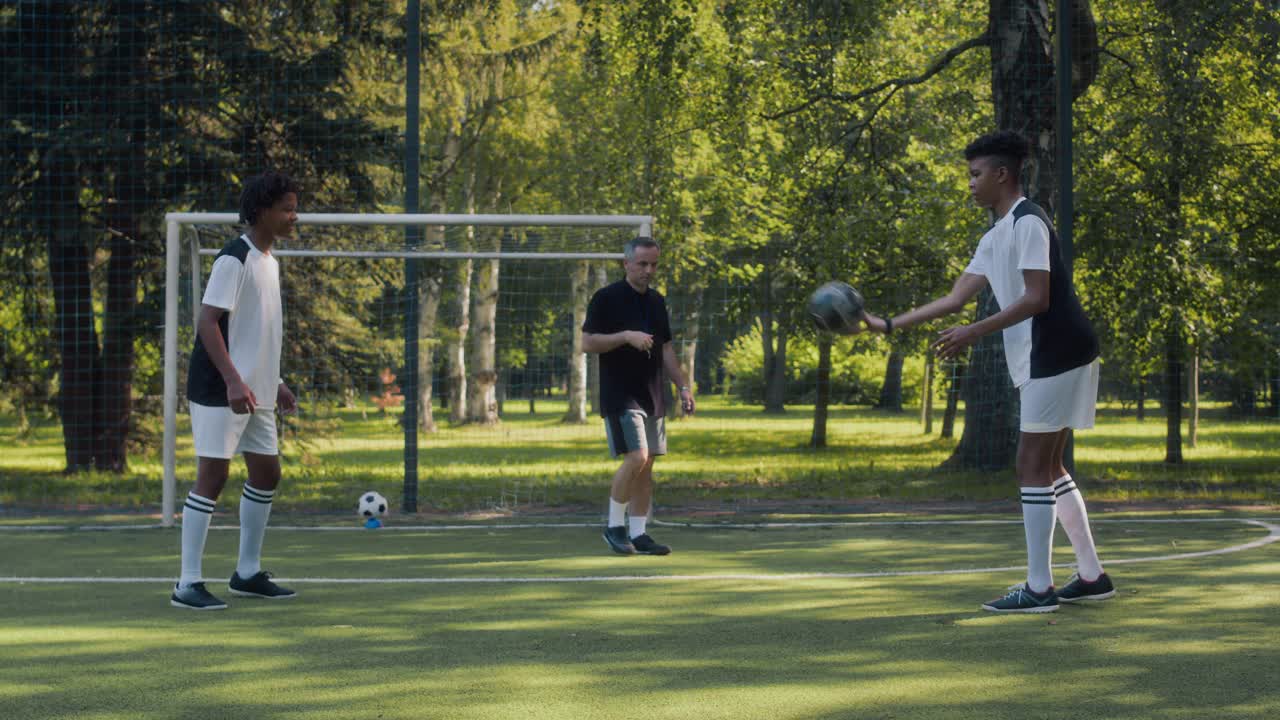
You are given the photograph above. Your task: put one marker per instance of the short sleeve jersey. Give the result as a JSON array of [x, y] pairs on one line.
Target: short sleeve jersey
[[246, 283], [1056, 340], [630, 379]]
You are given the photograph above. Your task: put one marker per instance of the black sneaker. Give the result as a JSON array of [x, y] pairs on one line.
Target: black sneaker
[[617, 538], [646, 546], [195, 597], [259, 585], [1022, 599], [1078, 589]]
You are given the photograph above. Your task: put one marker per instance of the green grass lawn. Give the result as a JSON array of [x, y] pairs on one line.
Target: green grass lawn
[[729, 454], [1188, 638]]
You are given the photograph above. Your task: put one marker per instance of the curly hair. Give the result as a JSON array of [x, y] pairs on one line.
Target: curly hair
[[261, 192], [1009, 148]]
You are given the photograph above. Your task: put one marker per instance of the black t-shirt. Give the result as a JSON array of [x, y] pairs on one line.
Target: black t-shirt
[[1062, 338], [630, 379]]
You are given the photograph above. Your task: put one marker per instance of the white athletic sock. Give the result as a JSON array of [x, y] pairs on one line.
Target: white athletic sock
[[617, 513], [196, 513], [1037, 520], [255, 508], [1075, 520], [637, 525]]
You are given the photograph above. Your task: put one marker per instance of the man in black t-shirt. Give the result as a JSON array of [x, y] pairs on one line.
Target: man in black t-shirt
[[628, 326]]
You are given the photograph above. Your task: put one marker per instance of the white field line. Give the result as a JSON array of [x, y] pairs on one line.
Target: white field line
[[357, 527], [1273, 535]]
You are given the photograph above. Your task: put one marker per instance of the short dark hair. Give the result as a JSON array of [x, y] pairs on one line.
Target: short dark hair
[[1008, 147], [263, 191], [641, 241]]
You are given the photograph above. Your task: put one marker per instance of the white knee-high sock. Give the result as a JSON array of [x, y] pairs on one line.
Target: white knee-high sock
[[617, 513], [255, 508], [1038, 518], [1075, 520], [196, 513]]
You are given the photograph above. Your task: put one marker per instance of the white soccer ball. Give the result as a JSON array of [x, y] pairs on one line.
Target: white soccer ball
[[371, 505]]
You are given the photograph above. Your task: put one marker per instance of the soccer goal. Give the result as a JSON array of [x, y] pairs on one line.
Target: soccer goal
[[398, 323]]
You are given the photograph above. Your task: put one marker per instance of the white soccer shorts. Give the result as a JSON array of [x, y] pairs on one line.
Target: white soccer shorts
[[1068, 400], [220, 433]]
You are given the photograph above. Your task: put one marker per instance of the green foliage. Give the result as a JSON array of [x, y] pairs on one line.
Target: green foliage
[[857, 370]]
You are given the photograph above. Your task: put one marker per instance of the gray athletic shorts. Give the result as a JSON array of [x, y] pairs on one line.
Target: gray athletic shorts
[[634, 430]]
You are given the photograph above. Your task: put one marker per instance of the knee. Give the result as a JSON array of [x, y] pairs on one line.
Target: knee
[[637, 460]]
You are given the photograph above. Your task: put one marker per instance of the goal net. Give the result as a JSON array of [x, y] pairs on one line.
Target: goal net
[[413, 342]]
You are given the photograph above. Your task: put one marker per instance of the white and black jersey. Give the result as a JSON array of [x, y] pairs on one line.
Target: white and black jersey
[[1056, 340], [246, 283]]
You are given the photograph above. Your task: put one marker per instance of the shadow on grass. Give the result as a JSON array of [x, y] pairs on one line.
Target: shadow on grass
[[901, 647]]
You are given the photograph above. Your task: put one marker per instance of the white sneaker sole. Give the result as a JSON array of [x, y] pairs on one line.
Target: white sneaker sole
[[185, 606], [1089, 598], [245, 593], [1032, 610]]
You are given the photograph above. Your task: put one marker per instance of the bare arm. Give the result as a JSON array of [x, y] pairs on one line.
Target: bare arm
[[965, 287], [671, 364], [1033, 302], [597, 343], [239, 396]]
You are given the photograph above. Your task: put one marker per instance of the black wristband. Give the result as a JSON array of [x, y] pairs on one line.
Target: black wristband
[[888, 325]]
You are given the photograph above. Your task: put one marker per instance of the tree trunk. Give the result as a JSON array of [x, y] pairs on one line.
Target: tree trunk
[[926, 399], [958, 371], [1274, 383], [114, 405], [1193, 394], [990, 437], [1142, 399], [456, 347], [430, 285], [1173, 397], [580, 293], [822, 401], [775, 392], [74, 332], [891, 388], [601, 275], [482, 401], [689, 340]]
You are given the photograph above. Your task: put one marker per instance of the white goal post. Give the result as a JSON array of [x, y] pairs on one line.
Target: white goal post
[[176, 221]]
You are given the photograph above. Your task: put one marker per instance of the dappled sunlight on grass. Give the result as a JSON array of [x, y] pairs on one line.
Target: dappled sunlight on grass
[[819, 647]]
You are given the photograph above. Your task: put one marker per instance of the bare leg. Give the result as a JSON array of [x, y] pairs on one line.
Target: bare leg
[[642, 489], [623, 479], [211, 476]]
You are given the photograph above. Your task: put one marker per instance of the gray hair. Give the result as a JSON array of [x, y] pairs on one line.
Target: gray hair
[[641, 241]]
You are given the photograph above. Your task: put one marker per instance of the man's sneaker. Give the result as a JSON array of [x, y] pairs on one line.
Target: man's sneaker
[[1022, 600], [1078, 589], [646, 546], [195, 597], [258, 585], [616, 536]]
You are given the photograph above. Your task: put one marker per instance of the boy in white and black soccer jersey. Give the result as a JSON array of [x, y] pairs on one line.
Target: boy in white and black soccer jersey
[[234, 387], [1052, 354]]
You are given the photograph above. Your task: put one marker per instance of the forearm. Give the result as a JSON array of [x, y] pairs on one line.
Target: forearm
[[216, 346], [671, 364], [938, 308], [596, 343], [1023, 308]]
